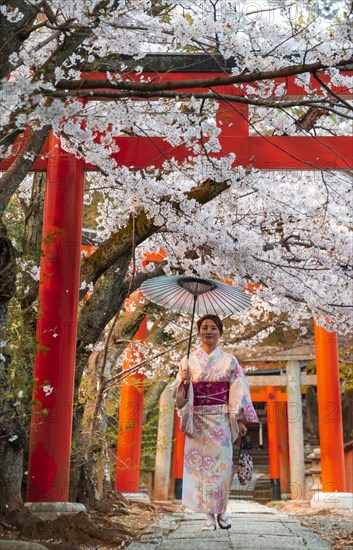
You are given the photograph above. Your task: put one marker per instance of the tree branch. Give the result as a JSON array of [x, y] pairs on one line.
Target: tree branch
[[12, 35], [113, 94], [119, 243], [22, 165], [242, 78]]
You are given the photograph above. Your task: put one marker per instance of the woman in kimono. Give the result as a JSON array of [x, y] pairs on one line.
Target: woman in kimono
[[213, 399]]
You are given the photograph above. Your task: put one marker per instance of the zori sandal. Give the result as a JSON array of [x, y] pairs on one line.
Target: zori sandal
[[224, 521], [210, 524]]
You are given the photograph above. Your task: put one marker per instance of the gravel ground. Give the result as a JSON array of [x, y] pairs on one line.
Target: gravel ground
[[335, 526], [114, 524], [337, 530]]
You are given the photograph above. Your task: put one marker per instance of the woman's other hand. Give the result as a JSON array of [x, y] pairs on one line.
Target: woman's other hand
[[242, 428]]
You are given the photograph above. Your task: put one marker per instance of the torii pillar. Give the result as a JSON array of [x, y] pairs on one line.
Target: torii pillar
[[273, 442], [128, 457], [330, 411], [178, 457], [164, 445], [295, 431], [54, 369], [283, 446]]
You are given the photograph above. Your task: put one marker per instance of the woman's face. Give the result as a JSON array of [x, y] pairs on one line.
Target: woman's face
[[209, 333]]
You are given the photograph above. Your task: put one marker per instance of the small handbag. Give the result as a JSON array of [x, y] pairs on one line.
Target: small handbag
[[245, 463]]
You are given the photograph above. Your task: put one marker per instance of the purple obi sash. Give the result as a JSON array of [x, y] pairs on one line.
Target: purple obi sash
[[210, 393]]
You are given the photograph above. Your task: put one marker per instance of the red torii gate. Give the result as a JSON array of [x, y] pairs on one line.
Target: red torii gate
[[50, 444]]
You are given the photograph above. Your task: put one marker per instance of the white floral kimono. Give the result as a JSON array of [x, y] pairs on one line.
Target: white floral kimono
[[211, 429]]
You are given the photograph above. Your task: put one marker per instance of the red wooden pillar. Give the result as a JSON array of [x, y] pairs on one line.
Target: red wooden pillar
[[54, 369], [283, 446], [178, 458], [273, 442], [130, 422], [330, 411]]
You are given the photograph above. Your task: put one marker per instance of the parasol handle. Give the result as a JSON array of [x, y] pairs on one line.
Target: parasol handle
[[192, 324]]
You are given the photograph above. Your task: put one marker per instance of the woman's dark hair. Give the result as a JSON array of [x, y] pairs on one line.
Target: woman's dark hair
[[213, 318]]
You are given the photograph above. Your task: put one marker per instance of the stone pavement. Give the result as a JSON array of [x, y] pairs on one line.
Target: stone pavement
[[254, 527]]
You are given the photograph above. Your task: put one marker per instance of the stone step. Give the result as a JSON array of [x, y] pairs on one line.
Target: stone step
[[259, 489]]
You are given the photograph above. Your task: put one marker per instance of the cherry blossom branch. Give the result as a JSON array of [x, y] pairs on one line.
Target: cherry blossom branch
[[21, 165], [331, 92], [269, 140], [243, 78], [111, 94], [119, 243], [127, 372]]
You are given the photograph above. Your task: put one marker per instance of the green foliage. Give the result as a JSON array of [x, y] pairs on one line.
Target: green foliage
[[14, 219], [149, 440], [188, 18], [346, 373], [111, 414], [49, 239], [90, 211], [160, 8], [346, 376], [18, 343], [17, 371]]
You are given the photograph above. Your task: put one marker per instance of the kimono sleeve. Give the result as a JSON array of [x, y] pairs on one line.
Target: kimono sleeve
[[178, 390], [184, 400], [239, 398]]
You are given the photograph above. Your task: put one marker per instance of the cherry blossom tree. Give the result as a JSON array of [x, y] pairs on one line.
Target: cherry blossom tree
[[47, 46], [288, 232]]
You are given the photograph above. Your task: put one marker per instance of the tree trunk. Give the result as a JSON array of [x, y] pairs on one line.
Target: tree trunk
[[82, 488], [11, 433], [96, 312], [88, 441], [12, 441], [32, 244], [11, 459], [14, 33]]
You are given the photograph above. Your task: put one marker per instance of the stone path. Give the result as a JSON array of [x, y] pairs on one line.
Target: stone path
[[255, 527]]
